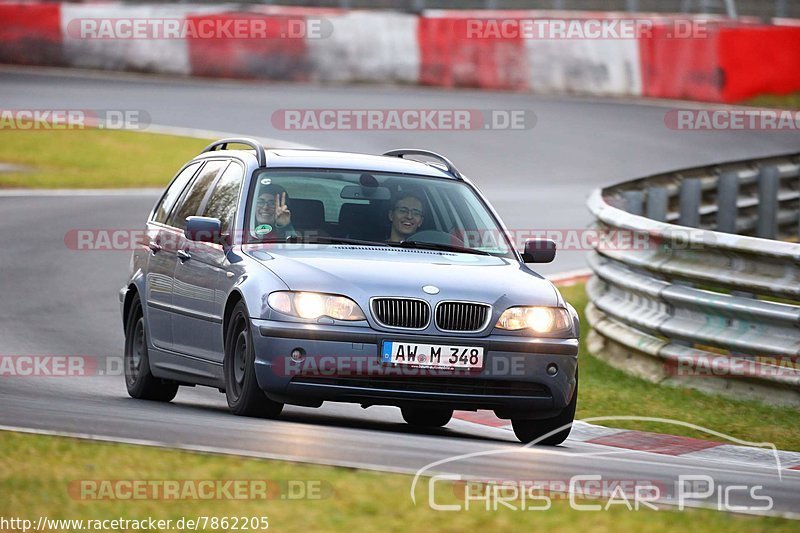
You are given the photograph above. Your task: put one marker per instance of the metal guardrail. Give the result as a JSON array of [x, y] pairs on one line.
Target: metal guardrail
[[705, 295]]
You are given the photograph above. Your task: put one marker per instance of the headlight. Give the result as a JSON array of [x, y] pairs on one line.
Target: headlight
[[537, 319], [313, 305]]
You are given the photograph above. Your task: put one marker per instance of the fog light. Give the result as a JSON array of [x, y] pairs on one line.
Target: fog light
[[552, 369], [298, 354]]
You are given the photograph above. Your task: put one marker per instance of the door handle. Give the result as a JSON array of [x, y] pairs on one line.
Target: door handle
[[183, 255], [154, 246]]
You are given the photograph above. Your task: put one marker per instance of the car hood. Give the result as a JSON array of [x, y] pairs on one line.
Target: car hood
[[363, 272]]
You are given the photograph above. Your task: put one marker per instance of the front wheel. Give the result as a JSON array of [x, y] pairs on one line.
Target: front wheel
[[532, 430], [139, 380], [245, 397], [424, 417]]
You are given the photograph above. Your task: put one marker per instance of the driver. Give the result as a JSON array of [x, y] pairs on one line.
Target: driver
[[273, 218], [406, 216]]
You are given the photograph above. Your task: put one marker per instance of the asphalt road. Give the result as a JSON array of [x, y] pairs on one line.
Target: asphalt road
[[59, 301]]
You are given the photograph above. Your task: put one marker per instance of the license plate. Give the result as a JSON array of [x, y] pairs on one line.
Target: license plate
[[435, 355]]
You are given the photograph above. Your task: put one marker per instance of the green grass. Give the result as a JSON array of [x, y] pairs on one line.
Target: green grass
[[36, 473], [786, 101], [606, 391], [65, 159]]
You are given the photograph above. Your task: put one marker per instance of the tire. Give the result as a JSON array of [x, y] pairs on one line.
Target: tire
[[426, 417], [245, 397], [139, 379], [531, 430]]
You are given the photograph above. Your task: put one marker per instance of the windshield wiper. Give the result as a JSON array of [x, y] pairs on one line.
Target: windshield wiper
[[438, 246]]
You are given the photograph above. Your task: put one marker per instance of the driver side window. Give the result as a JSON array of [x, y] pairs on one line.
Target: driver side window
[[193, 199]]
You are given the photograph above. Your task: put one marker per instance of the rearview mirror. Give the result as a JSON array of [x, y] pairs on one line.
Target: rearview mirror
[[361, 192], [203, 229], [539, 251]]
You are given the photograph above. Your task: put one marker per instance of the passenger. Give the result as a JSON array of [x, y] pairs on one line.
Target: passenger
[[273, 217], [406, 216]]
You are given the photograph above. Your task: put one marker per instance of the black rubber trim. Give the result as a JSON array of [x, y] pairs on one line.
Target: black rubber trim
[[185, 312], [318, 335]]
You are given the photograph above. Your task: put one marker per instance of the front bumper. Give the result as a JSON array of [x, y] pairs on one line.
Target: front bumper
[[343, 364]]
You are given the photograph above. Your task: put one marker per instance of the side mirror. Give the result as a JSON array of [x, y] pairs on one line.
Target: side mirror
[[203, 229], [539, 251]]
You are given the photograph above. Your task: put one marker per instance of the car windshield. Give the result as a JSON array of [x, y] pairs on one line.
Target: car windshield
[[333, 206]]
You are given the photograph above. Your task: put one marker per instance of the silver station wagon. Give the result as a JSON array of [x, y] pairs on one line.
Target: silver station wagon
[[304, 276]]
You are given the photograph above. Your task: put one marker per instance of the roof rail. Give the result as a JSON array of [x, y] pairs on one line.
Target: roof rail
[[451, 168], [222, 144]]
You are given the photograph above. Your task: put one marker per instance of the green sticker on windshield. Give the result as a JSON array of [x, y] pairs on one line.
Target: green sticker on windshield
[[263, 229]]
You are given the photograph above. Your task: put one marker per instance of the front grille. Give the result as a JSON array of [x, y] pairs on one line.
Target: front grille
[[401, 313], [469, 386], [462, 316]]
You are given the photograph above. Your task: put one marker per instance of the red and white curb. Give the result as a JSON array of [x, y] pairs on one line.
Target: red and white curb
[[658, 443]]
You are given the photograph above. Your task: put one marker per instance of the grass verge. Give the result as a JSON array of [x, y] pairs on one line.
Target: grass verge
[[44, 484], [606, 391], [91, 158], [785, 101]]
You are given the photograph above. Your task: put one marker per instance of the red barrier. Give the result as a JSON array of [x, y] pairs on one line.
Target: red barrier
[[759, 60], [450, 58], [280, 55], [685, 68], [30, 34]]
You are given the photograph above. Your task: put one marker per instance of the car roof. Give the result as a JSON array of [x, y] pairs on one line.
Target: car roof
[[307, 158]]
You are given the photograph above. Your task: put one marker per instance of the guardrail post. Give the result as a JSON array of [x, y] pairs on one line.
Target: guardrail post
[[768, 182], [657, 202], [727, 207], [690, 203], [634, 202]]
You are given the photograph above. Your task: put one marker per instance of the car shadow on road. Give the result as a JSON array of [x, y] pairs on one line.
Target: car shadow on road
[[197, 403]]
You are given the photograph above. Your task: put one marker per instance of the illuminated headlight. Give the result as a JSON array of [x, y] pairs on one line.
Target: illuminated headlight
[[313, 305], [536, 319]]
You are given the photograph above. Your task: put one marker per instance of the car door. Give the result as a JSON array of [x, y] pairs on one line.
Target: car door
[[195, 319], [222, 205], [160, 239]]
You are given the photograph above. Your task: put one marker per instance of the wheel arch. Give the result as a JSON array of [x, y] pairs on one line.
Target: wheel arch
[[233, 298], [133, 291]]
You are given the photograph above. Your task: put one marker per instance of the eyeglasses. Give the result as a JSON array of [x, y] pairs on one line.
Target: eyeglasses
[[261, 204], [405, 211]]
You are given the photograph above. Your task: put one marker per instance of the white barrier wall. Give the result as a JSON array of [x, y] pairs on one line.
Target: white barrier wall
[[367, 46], [168, 56], [600, 67]]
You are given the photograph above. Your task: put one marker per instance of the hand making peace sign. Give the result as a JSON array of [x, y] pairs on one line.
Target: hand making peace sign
[[283, 217]]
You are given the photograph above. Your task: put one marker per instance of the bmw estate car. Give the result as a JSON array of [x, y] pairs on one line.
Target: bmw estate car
[[304, 276]]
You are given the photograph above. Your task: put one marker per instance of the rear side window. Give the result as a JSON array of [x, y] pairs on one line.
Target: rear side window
[[192, 200], [178, 184], [225, 196]]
